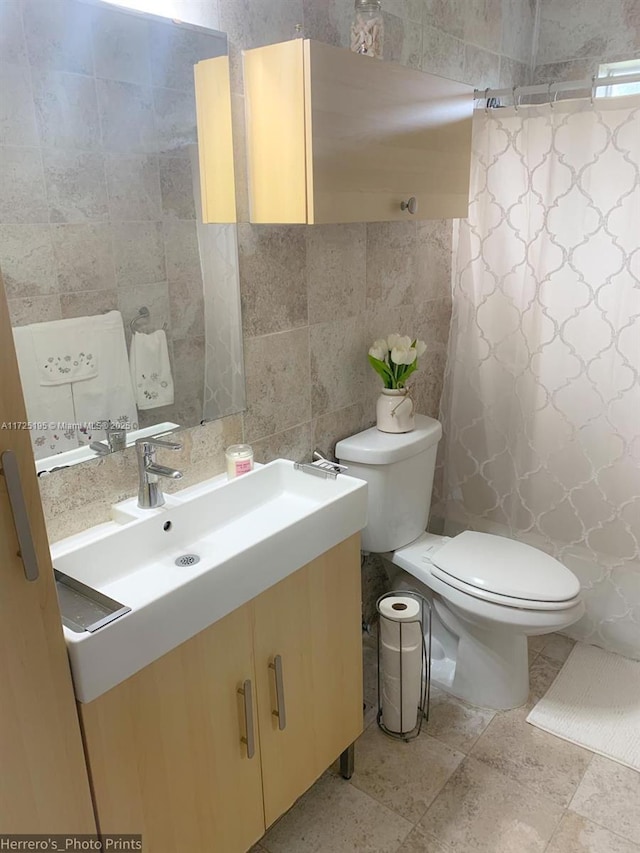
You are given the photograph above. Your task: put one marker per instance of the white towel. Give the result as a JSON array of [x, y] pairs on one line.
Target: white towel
[[65, 350], [49, 408], [109, 396], [105, 397], [151, 370]]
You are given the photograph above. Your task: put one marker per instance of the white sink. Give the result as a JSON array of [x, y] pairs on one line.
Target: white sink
[[249, 534]]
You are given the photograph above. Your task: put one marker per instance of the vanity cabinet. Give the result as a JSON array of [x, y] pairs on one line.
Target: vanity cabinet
[[204, 748], [333, 136]]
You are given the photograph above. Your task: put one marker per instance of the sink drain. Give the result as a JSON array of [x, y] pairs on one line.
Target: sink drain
[[187, 560]]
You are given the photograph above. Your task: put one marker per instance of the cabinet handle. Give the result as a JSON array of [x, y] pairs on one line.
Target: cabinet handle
[[280, 711], [27, 551], [250, 739], [411, 205]]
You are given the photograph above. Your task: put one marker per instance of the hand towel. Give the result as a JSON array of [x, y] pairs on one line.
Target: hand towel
[[49, 408], [65, 350], [109, 396], [151, 370]]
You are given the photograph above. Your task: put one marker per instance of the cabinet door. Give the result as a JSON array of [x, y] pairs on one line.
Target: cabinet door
[[44, 787], [312, 622], [215, 140], [336, 137], [275, 132], [381, 134], [165, 748]]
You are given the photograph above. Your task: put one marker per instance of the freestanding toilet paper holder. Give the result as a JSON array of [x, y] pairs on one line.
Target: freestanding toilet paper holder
[[424, 620]]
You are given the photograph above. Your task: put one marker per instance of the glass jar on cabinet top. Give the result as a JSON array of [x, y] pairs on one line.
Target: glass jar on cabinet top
[[367, 29]]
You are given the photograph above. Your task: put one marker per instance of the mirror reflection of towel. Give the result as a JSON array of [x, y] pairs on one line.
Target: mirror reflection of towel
[[65, 350], [46, 405], [63, 410], [150, 370], [108, 397]]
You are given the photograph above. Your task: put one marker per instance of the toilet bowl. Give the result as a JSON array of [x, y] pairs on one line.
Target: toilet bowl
[[488, 593], [479, 635]]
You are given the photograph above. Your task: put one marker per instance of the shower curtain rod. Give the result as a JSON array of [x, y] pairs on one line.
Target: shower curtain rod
[[552, 89]]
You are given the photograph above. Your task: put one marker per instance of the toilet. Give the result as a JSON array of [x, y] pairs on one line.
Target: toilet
[[488, 593]]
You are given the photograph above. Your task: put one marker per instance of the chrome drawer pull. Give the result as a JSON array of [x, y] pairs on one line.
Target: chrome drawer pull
[[250, 739], [280, 712]]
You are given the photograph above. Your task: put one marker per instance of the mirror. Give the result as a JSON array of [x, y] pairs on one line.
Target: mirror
[[125, 305]]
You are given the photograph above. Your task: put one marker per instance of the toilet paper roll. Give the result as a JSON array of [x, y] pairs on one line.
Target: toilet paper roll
[[399, 630]]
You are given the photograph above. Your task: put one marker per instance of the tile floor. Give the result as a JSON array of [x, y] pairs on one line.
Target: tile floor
[[475, 781]]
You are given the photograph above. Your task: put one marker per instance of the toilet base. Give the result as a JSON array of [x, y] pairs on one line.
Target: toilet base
[[484, 667], [482, 651], [486, 676]]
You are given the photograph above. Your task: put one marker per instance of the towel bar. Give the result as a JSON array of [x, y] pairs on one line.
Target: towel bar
[[142, 316]]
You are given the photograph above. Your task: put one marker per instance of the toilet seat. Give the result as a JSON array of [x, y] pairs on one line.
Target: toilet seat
[[504, 566], [497, 570], [504, 600]]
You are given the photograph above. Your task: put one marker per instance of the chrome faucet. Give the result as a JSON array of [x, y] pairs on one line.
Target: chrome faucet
[[149, 490]]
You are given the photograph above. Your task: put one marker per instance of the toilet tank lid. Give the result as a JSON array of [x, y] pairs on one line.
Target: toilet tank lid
[[373, 447]]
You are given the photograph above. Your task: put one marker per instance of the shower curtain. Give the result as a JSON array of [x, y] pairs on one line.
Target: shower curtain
[[541, 409]]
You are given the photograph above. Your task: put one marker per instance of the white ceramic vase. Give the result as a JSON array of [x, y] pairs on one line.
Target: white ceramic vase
[[394, 411]]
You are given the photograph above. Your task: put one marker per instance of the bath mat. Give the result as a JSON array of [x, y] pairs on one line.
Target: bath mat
[[595, 702]]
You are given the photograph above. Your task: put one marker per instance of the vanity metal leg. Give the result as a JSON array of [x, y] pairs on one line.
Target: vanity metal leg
[[347, 762]]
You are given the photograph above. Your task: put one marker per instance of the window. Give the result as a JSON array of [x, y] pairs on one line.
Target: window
[[619, 69]]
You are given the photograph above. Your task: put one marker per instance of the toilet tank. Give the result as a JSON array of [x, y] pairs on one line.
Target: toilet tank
[[399, 469]]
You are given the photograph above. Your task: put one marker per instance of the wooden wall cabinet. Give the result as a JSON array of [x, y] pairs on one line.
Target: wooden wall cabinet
[[167, 748], [333, 136]]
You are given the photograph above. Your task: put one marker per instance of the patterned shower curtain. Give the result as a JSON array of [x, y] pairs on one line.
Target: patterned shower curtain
[[541, 409]]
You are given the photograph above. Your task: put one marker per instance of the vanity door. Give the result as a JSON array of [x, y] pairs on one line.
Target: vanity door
[[307, 638], [44, 786], [174, 751]]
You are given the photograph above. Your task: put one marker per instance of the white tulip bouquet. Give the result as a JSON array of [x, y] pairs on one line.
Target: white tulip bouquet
[[395, 358]]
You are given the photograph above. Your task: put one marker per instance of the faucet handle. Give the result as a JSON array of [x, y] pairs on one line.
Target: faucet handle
[[156, 441], [116, 437]]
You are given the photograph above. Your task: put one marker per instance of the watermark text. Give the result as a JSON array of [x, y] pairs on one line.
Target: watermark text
[[70, 843], [64, 426]]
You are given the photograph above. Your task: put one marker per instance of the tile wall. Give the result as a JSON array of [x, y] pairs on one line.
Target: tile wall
[[97, 209], [313, 298], [575, 37]]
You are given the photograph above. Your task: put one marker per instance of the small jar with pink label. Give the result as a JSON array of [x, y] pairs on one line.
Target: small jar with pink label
[[239, 460]]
